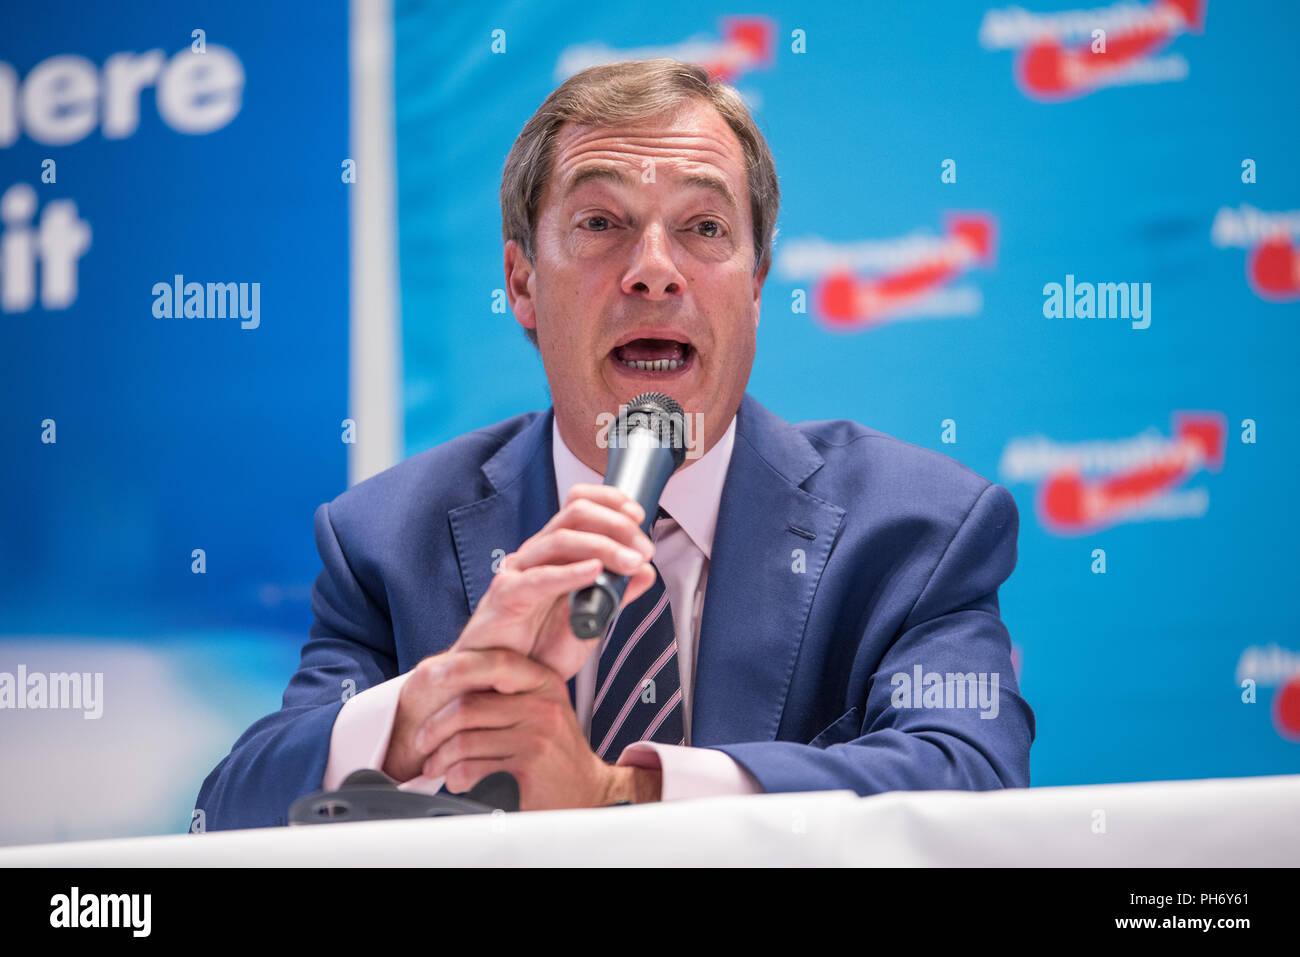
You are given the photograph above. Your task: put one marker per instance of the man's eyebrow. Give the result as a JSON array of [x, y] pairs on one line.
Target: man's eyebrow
[[589, 173], [613, 174], [719, 186]]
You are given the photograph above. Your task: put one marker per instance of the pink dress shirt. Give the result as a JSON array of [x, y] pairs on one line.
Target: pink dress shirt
[[682, 547]]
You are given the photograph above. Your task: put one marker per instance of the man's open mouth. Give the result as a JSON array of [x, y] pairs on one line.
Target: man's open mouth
[[653, 356]]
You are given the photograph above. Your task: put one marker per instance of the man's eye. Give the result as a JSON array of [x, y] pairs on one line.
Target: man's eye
[[710, 223], [601, 220]]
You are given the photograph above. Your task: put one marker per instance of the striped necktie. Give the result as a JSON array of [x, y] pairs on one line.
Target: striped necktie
[[638, 688]]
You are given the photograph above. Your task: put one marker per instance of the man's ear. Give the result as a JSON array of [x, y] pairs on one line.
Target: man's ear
[[519, 272]]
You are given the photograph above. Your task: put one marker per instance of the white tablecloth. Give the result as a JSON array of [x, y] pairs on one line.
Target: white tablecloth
[[1220, 822]]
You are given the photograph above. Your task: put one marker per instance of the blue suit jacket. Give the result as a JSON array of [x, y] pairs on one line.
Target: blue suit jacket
[[842, 557]]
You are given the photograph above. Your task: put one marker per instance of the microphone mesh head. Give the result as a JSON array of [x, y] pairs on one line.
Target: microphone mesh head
[[661, 414]]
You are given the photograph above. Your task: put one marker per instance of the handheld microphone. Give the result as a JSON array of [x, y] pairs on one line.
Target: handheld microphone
[[646, 447]]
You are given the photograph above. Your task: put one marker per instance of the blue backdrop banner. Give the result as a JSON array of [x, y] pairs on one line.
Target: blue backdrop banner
[[1072, 269]]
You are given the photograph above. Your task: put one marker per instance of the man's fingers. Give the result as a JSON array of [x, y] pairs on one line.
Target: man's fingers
[[606, 495], [470, 670], [497, 669], [475, 710], [588, 516], [465, 774], [542, 584], [492, 710], [638, 584], [571, 544]]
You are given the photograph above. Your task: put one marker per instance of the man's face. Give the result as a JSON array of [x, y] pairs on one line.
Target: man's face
[[644, 253]]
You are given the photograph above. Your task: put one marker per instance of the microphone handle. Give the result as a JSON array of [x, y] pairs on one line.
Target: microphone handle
[[640, 469]]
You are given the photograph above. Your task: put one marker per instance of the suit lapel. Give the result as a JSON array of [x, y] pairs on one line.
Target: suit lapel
[[770, 547], [522, 474]]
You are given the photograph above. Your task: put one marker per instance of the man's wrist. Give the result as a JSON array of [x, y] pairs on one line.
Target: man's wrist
[[633, 785]]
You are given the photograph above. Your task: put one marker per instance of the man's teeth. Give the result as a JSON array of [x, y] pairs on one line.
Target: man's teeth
[[655, 365]]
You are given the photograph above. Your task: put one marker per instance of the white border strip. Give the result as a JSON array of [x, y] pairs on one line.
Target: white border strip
[[374, 328]]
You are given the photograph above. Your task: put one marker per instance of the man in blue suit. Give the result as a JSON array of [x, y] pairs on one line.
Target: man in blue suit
[[851, 636]]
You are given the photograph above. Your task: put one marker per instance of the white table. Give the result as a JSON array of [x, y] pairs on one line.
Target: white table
[[1219, 822]]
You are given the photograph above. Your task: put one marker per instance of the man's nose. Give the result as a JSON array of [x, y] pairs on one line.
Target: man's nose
[[653, 273]]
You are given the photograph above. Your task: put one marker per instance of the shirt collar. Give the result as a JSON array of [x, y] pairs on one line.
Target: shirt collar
[[692, 495]]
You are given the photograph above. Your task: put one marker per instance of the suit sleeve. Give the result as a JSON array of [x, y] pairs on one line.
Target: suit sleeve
[[910, 735], [283, 755]]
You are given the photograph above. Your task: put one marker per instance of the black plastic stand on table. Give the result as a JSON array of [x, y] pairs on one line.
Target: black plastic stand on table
[[370, 795]]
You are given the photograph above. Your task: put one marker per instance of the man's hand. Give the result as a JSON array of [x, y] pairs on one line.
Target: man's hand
[[534, 735], [526, 607], [441, 679], [525, 610], [496, 710]]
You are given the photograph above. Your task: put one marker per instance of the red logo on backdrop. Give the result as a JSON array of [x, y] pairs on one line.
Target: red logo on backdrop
[[1279, 668], [1273, 269], [1286, 709], [1061, 57], [1087, 486], [746, 44], [1269, 238], [846, 302], [743, 44], [1070, 503]]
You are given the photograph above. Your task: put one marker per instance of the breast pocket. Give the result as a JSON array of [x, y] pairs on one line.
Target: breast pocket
[[845, 728]]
